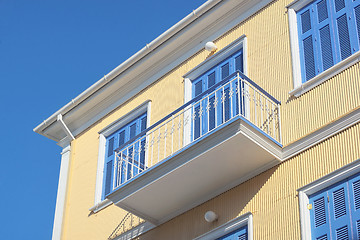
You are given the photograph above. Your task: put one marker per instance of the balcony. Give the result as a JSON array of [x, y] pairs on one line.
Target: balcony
[[221, 138]]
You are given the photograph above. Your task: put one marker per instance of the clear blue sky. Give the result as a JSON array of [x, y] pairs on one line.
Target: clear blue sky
[[51, 51]]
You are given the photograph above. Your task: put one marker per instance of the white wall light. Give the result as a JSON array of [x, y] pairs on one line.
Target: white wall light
[[210, 216], [210, 46]]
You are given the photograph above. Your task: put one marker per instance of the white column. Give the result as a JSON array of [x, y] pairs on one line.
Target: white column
[[61, 193]]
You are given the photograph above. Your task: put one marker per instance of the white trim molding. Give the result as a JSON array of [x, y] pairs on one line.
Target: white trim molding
[[100, 203], [300, 87], [229, 227], [320, 184], [61, 194]]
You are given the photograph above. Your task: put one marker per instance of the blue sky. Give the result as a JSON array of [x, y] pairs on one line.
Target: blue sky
[[51, 51]]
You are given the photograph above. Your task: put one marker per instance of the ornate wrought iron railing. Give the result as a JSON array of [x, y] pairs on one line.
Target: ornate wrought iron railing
[[234, 97]]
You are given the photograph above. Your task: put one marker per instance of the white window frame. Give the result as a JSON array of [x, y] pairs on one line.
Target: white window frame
[[236, 223], [103, 134], [318, 185], [300, 87], [218, 57]]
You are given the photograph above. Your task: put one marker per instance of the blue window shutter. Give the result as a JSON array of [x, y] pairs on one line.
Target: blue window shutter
[[227, 103], [344, 38], [319, 215], [121, 138], [110, 150], [354, 190], [339, 203], [309, 57], [108, 177], [324, 33], [211, 79], [326, 48], [196, 122], [132, 130], [239, 62], [320, 212], [306, 42], [212, 113], [305, 21], [340, 211], [225, 70], [322, 10], [339, 4], [143, 124], [357, 17], [198, 88]]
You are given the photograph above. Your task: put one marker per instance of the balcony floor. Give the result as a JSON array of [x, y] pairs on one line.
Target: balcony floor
[[206, 168]]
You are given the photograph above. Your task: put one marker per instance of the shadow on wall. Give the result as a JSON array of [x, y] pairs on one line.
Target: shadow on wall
[[227, 206]]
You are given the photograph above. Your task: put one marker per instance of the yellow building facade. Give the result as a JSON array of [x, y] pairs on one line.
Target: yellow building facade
[[310, 143]]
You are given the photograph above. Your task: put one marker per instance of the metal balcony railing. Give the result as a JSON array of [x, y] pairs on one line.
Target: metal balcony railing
[[234, 97]]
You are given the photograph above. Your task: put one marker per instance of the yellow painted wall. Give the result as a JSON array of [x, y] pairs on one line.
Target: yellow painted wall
[[269, 65]]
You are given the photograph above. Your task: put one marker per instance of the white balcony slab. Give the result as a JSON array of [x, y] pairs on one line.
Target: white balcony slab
[[201, 171]]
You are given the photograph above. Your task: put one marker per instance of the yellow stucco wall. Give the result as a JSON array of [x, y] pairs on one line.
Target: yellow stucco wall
[[269, 65]]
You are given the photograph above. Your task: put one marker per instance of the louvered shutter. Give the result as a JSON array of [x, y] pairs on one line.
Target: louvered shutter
[[225, 101], [108, 164], [319, 215], [324, 33], [346, 15], [211, 113], [307, 42], [239, 99], [143, 142], [357, 21], [353, 8], [340, 211], [354, 194], [198, 89]]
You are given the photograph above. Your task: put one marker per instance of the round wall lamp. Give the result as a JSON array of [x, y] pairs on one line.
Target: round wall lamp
[[210, 216], [210, 46]]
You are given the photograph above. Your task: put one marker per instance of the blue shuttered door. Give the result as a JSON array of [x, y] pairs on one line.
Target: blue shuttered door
[[135, 154], [216, 108], [336, 211], [239, 234]]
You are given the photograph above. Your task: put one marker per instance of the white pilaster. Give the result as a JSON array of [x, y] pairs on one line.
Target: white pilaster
[[61, 193]]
